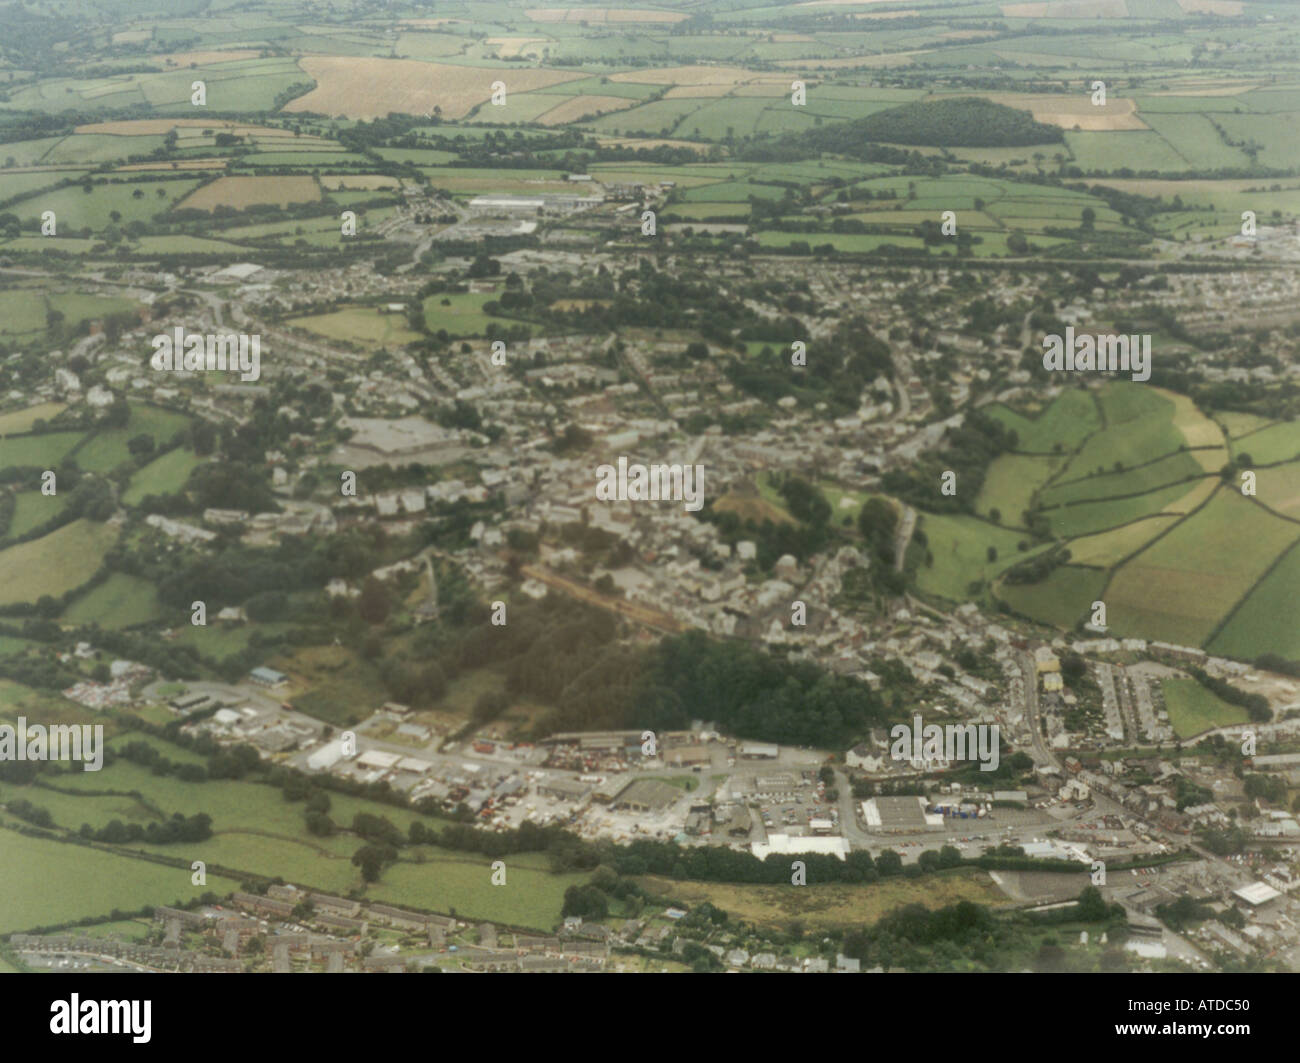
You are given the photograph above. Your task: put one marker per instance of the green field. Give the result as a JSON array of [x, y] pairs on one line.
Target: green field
[[54, 563], [1063, 598], [120, 601], [1186, 582], [1193, 709], [364, 326], [33, 509], [1068, 420], [1279, 442], [45, 882], [162, 476], [43, 451], [1010, 485], [460, 314], [1268, 620], [960, 548], [1171, 469], [1085, 519], [1139, 427], [256, 830]]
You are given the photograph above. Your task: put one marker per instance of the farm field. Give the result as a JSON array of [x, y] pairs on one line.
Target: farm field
[[1139, 421], [256, 830], [240, 192], [120, 601], [33, 509], [370, 88], [1111, 547], [1268, 619], [960, 547], [23, 420], [54, 563], [1087, 518], [1269, 445], [75, 211], [1010, 485], [1171, 469], [1181, 586], [162, 476], [47, 882], [1062, 599], [1068, 420], [1167, 523]]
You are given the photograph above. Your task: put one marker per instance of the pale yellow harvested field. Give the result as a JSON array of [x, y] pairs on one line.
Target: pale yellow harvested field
[[1107, 548], [658, 142], [1068, 9], [22, 420], [182, 59], [576, 108], [792, 38], [240, 192], [1207, 87], [1197, 429], [773, 89], [365, 181], [508, 47], [1211, 460], [694, 75], [1079, 110], [967, 35], [839, 3], [696, 92], [1194, 497], [179, 164], [132, 36], [1211, 7], [365, 87], [595, 15]]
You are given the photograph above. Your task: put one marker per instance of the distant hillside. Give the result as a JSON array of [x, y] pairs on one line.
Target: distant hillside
[[967, 122]]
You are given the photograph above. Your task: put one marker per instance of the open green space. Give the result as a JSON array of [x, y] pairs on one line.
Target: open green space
[[1193, 709]]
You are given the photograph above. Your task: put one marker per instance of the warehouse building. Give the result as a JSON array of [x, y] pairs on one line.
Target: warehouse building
[[787, 845], [1257, 893], [563, 789], [646, 795], [899, 815]]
